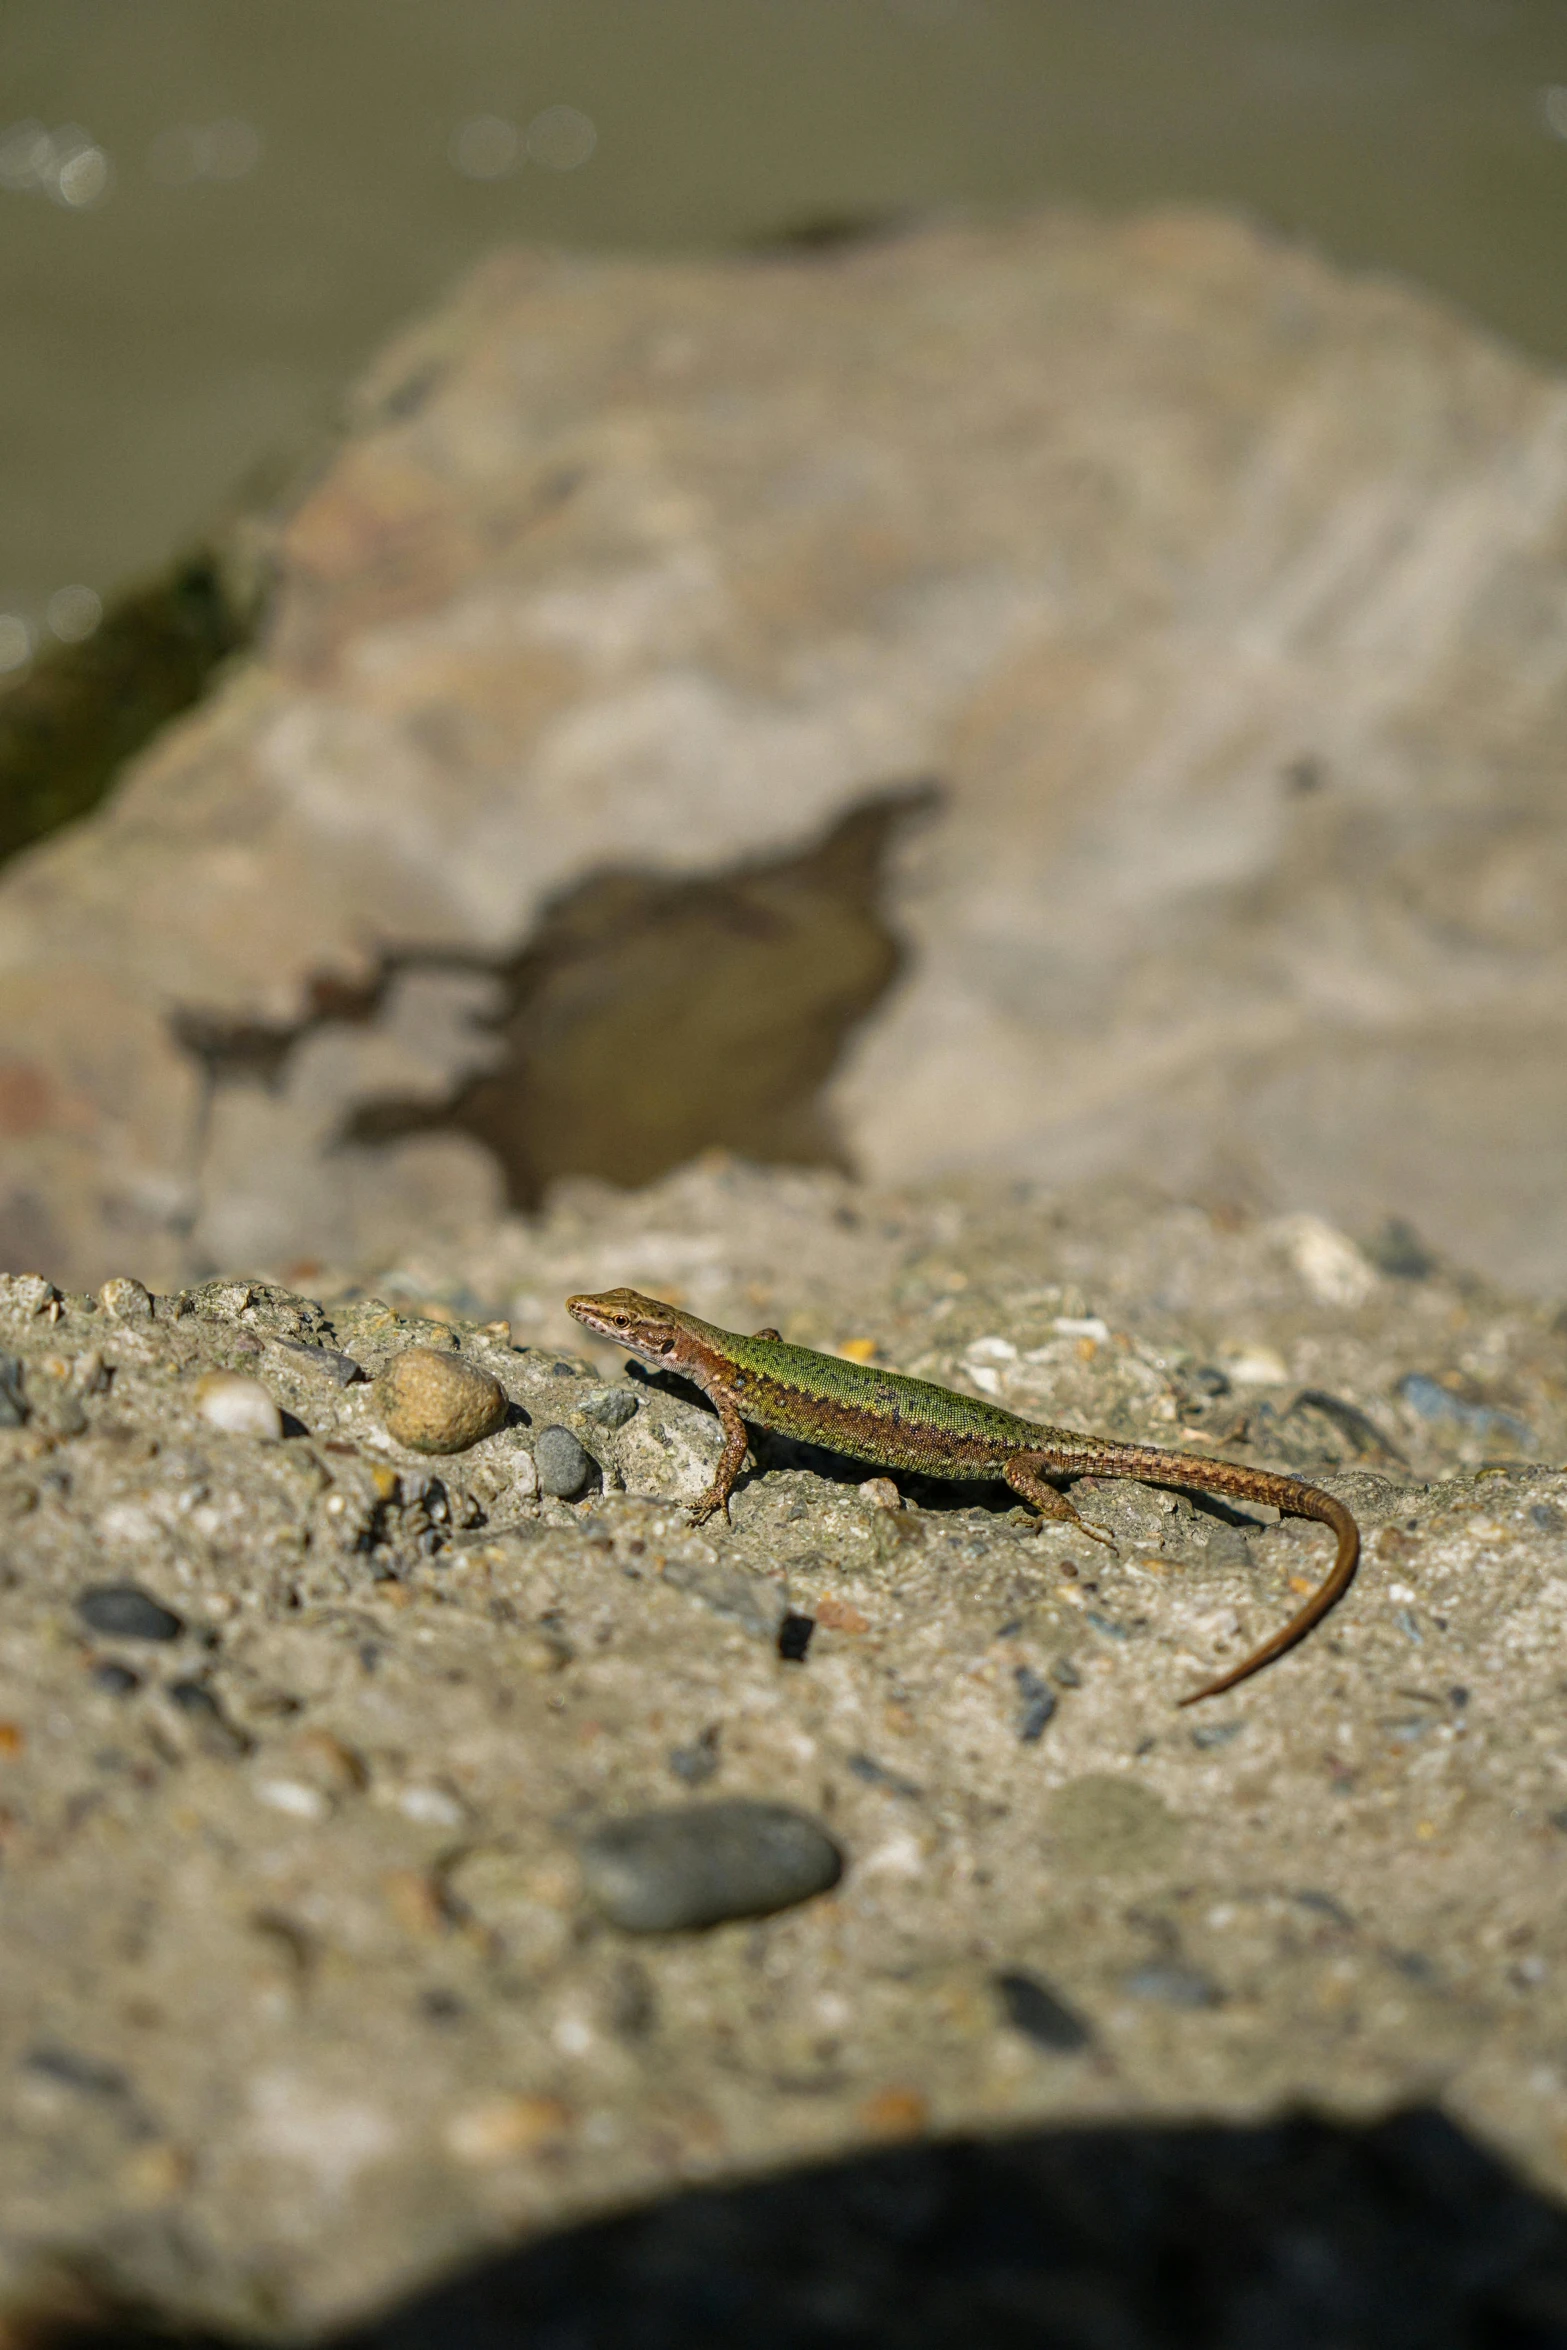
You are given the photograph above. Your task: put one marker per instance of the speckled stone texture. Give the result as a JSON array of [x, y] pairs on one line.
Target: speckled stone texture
[[306, 1999], [1222, 592]]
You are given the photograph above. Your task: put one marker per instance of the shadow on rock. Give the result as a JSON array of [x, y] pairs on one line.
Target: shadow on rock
[[1288, 2237]]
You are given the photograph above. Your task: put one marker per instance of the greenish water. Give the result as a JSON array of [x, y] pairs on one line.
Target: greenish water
[[258, 189]]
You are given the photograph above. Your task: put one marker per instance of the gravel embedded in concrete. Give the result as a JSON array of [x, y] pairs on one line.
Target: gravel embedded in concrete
[[564, 1464], [123, 1611], [239, 1405], [436, 1402], [673, 1871]]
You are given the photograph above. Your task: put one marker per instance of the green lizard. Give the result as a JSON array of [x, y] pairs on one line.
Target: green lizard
[[895, 1422]]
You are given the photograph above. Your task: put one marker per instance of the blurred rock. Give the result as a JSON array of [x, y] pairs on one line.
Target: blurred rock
[[553, 828]]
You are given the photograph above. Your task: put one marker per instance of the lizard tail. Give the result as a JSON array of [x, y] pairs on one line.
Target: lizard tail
[[1286, 1494]]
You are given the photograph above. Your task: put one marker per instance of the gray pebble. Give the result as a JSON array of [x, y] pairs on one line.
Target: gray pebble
[[1173, 1985], [1208, 1735], [564, 1466], [115, 1680], [325, 1361], [126, 1612], [13, 1405], [1033, 2009], [672, 1871], [610, 1407], [699, 1760], [1038, 1703]]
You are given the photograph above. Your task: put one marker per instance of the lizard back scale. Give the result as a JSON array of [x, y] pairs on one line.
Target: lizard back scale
[[893, 1421]]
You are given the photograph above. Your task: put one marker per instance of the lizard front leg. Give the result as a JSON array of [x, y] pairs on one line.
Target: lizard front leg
[[729, 1460], [1023, 1474]]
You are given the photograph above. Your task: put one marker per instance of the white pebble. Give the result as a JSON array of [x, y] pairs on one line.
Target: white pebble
[[242, 1406], [300, 1801], [431, 1807], [126, 1299]]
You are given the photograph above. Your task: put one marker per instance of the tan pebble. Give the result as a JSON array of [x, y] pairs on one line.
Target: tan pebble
[[125, 1299], [894, 2113], [233, 1401], [498, 1333], [435, 1402], [882, 1493], [500, 2128], [415, 1900], [330, 1763], [155, 2174], [541, 1652], [839, 1616]]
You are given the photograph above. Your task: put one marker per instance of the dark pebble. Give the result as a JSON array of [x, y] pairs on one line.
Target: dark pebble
[[193, 1697], [74, 2071], [1398, 1249], [1064, 1671], [1172, 1985], [563, 1465], [697, 1762], [1039, 1703], [1547, 1517], [874, 1774], [794, 1638], [126, 1612], [115, 1680], [13, 1404], [215, 1733], [325, 1361], [1211, 1734], [1033, 2009], [611, 1407], [667, 1872]]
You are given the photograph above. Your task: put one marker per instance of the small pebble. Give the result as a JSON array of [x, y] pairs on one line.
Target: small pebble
[[563, 1465], [1033, 2009], [1208, 1735], [13, 1405], [115, 1680], [699, 1761], [126, 1299], [610, 1407], [1038, 1703], [794, 1638], [293, 1796], [435, 1402], [126, 1612], [666, 1872], [1173, 1985], [233, 1401], [500, 2128], [341, 1369], [431, 1807]]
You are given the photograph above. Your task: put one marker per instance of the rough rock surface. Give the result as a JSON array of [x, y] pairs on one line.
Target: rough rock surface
[[306, 1998], [1223, 596]]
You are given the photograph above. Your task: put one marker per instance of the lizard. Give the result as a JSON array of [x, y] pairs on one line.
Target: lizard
[[893, 1421]]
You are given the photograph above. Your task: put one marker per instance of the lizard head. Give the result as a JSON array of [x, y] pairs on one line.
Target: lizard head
[[644, 1325]]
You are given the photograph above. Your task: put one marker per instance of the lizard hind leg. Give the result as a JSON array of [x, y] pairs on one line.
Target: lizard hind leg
[[1024, 1477]]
